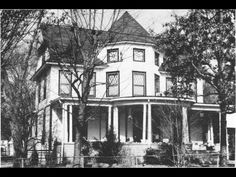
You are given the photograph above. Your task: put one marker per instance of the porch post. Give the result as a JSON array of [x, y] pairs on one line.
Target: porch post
[[149, 123], [115, 120], [144, 121], [210, 137], [64, 129], [109, 117], [65, 117], [130, 125], [185, 131], [70, 120]]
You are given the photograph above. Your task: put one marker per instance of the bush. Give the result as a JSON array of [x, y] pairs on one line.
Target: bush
[[51, 157], [109, 149], [152, 156], [34, 159], [162, 156]]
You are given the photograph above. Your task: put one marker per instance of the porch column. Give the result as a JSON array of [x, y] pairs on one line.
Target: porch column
[[149, 130], [64, 122], [115, 120], [70, 121], [210, 137], [109, 117], [144, 121], [130, 125], [64, 129], [185, 131]]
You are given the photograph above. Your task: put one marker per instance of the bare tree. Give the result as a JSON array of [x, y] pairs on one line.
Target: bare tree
[[18, 42], [168, 124], [76, 50]]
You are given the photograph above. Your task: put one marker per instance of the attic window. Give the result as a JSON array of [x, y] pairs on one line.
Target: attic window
[[139, 55], [112, 55]]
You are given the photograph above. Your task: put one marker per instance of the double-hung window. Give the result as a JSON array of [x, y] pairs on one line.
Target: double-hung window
[[113, 84], [139, 55], [92, 92], [139, 83], [64, 85], [112, 55]]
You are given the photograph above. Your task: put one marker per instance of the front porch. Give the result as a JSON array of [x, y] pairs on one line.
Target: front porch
[[139, 124]]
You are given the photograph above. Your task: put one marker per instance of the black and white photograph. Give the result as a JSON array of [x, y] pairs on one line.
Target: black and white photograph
[[118, 88]]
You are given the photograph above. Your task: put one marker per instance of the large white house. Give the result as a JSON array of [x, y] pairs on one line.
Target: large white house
[[130, 84]]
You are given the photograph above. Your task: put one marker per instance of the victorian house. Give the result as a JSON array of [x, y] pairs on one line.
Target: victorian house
[[134, 85]]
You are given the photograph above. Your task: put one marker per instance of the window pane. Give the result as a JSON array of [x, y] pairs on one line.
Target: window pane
[[93, 85], [63, 79], [113, 84], [113, 55], [157, 84], [139, 90], [113, 79], [113, 90], [138, 55], [138, 79], [65, 89]]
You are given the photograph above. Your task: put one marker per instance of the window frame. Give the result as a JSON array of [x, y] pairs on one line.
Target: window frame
[[108, 56], [107, 83], [139, 49], [145, 84], [59, 84]]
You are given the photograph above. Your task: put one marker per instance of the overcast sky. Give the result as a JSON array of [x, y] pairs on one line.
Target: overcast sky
[[148, 18], [155, 18]]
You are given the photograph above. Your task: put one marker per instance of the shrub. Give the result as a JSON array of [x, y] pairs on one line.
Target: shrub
[[51, 157], [152, 156], [164, 155], [34, 159], [109, 149]]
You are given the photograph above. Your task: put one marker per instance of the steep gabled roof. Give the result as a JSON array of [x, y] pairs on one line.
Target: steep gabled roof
[[60, 41], [126, 28], [61, 38]]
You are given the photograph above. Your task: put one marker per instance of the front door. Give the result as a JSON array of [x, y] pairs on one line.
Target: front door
[[137, 123]]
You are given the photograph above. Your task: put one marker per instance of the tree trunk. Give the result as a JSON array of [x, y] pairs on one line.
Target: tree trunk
[[223, 136], [79, 136], [77, 148]]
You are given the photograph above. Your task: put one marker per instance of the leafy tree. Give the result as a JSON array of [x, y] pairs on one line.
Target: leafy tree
[[201, 45]]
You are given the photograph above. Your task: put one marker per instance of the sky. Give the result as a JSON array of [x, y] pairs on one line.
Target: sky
[[148, 18], [155, 18]]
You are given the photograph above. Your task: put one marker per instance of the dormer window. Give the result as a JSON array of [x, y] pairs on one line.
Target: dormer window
[[157, 58], [139, 55], [112, 55]]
